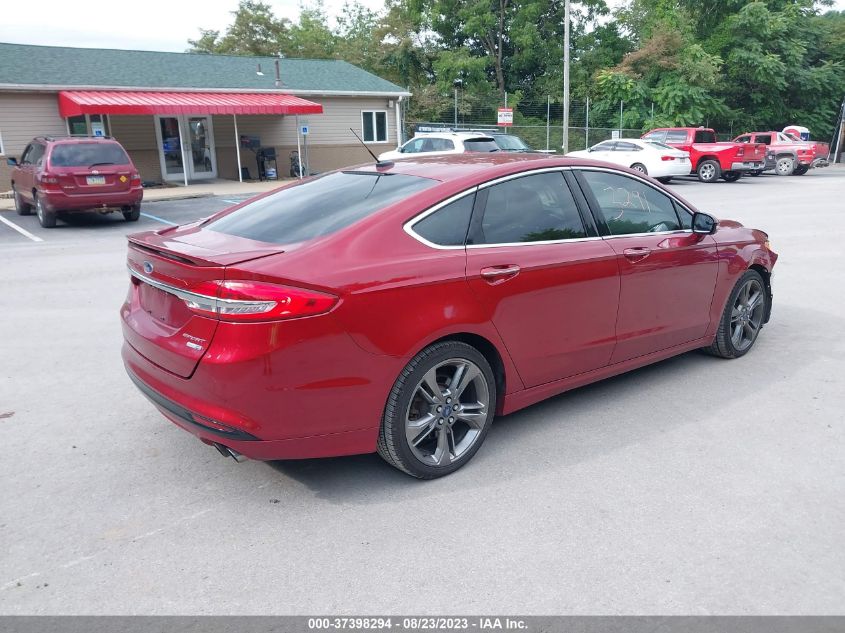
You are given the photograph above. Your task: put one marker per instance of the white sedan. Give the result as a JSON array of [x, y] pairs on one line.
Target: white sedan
[[649, 157], [440, 143]]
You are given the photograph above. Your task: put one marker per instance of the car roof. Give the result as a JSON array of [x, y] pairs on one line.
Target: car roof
[[451, 134], [75, 139], [482, 165]]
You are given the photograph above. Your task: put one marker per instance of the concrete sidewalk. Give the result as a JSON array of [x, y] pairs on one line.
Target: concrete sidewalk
[[197, 190]]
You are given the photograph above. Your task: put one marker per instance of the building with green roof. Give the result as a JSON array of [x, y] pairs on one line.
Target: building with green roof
[[208, 113]]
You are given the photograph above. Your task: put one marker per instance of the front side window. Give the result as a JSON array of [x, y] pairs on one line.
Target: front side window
[[414, 146], [533, 208], [630, 206], [318, 207], [27, 153], [607, 146], [448, 225], [744, 139], [374, 126], [34, 154]]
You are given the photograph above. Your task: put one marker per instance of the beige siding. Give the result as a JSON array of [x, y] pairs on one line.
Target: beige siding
[[134, 132], [340, 114], [26, 115]]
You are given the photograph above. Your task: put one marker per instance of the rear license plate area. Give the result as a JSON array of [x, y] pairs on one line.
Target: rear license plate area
[[155, 302], [95, 180]]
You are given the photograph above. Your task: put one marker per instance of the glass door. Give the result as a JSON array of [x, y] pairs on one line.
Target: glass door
[[201, 141], [198, 138]]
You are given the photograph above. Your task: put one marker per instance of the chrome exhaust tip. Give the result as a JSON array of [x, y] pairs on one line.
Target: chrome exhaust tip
[[225, 451]]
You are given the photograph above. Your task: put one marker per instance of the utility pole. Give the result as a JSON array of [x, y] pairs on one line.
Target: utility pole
[[566, 76]]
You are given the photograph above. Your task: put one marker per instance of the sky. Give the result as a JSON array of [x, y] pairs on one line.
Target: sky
[[159, 25]]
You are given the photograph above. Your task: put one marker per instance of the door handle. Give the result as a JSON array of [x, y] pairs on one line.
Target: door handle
[[637, 253], [498, 274]]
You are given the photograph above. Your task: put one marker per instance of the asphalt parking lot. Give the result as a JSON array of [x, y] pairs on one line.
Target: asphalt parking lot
[[693, 486]]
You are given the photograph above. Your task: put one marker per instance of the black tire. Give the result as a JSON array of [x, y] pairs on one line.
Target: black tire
[[800, 170], [665, 179], [640, 168], [726, 344], [133, 214], [45, 217], [403, 403], [22, 208], [784, 166], [731, 176], [708, 171]]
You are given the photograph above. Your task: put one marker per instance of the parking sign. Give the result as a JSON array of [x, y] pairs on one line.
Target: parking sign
[[505, 116]]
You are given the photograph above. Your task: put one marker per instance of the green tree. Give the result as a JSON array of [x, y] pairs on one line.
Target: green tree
[[254, 31]]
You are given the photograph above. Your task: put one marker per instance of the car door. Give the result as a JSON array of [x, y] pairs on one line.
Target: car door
[[626, 154], [25, 177], [667, 272], [603, 151], [550, 284]]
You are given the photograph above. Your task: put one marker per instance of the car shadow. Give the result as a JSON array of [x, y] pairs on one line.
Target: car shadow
[[580, 425]]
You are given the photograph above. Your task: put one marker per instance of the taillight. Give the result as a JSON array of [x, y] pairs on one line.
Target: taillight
[[667, 157], [245, 301], [135, 180]]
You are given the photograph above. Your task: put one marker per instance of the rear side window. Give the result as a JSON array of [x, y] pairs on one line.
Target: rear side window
[[448, 225], [677, 136], [627, 147], [704, 136], [87, 155], [442, 144], [318, 207], [629, 206], [766, 139], [480, 145], [534, 208]]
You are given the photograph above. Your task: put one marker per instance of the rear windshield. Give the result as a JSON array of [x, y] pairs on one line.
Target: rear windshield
[[511, 143], [704, 136], [88, 155], [480, 145], [318, 207]]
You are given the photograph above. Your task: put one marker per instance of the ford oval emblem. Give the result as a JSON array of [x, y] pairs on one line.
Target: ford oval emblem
[[148, 267]]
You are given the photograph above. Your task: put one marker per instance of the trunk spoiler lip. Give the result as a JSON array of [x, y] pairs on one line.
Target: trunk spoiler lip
[[193, 254]]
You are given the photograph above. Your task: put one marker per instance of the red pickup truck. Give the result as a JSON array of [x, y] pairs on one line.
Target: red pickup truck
[[711, 159], [787, 155]]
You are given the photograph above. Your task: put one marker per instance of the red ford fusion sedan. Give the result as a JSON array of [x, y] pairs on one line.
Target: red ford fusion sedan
[[399, 307]]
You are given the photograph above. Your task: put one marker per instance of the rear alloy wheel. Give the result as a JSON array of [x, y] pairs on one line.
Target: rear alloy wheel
[[709, 171], [743, 317], [640, 168], [439, 411], [45, 217], [800, 170], [731, 176], [784, 166], [22, 208], [133, 214]]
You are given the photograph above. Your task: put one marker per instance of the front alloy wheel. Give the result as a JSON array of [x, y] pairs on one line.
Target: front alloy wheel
[[439, 411], [743, 317]]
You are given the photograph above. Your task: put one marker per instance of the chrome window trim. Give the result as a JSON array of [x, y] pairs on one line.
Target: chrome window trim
[[408, 227], [542, 243]]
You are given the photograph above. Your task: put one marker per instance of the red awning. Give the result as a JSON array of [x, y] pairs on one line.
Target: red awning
[[74, 103]]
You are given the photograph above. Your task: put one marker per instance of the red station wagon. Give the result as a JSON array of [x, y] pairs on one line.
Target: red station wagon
[[398, 307], [75, 174]]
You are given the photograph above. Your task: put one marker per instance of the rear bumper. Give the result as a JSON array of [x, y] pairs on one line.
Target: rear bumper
[[749, 165], [821, 162], [57, 200], [319, 399]]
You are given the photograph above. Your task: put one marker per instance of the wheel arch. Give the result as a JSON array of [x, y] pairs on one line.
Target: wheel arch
[[490, 352], [701, 159], [767, 281]]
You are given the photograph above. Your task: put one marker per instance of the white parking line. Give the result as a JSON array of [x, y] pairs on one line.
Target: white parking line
[[158, 219], [20, 230]]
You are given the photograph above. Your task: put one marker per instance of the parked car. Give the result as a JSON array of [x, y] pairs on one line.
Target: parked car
[[75, 174], [710, 159], [507, 142], [784, 154], [648, 157], [398, 308], [442, 144]]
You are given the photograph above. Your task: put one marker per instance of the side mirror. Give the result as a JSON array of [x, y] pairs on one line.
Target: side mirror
[[704, 224], [12, 162]]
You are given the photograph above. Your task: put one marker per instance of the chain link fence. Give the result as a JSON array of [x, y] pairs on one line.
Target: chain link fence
[[540, 124]]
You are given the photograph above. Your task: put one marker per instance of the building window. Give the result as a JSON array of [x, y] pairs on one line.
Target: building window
[[374, 126], [88, 125]]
